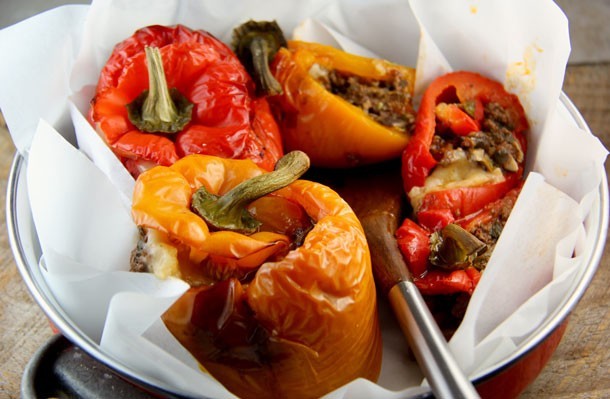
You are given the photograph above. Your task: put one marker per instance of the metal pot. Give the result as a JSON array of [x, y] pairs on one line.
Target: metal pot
[[507, 378]]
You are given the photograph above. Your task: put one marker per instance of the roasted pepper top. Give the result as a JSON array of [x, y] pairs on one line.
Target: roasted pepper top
[[227, 120], [283, 329], [342, 109]]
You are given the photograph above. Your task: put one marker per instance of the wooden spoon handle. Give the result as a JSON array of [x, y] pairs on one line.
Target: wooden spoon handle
[[389, 268]]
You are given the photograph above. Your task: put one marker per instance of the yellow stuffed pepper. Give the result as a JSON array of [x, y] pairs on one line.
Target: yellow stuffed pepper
[[343, 110]]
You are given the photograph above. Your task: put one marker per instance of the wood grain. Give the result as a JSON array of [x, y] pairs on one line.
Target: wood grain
[[23, 326], [578, 369]]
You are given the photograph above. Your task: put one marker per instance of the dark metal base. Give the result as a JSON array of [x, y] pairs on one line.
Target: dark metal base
[[61, 370]]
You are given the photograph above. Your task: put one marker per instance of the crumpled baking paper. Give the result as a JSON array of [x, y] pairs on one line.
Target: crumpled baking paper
[[80, 198]]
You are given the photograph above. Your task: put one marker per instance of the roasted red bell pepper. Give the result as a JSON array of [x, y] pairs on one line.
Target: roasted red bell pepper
[[468, 148], [449, 259], [211, 107], [414, 243], [439, 282], [438, 208]]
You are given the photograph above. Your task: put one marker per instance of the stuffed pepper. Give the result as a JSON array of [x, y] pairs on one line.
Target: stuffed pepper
[[282, 300], [462, 172], [468, 148], [342, 109], [167, 92]]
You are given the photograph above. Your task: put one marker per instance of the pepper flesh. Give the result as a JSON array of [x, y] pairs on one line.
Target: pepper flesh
[[331, 130], [305, 323], [227, 119], [454, 105]]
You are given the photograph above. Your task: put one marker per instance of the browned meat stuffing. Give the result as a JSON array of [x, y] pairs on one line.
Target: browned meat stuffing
[[139, 256], [388, 102], [155, 254], [489, 230], [494, 146]]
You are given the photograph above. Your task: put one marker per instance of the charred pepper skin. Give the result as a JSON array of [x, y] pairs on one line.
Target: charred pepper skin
[[228, 120]]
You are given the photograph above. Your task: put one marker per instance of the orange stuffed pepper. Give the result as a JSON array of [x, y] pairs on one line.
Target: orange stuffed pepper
[[282, 300], [343, 110]]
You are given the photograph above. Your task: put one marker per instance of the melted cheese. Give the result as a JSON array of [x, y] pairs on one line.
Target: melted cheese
[[459, 173], [162, 257]]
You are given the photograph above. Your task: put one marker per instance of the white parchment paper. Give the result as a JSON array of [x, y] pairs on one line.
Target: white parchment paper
[[80, 198]]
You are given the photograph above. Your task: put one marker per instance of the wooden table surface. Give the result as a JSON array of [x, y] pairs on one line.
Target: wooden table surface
[[577, 369]]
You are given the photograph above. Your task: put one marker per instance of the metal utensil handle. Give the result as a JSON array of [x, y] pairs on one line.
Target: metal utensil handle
[[428, 344]]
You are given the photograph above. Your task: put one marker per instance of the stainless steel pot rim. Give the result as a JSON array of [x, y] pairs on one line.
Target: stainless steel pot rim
[[22, 249], [37, 287], [592, 259]]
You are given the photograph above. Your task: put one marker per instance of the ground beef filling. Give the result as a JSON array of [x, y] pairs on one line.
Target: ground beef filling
[[388, 102], [489, 232], [494, 146], [139, 256], [471, 241]]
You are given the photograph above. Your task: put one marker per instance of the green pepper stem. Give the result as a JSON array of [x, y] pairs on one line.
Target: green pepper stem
[[260, 60], [228, 212], [454, 246], [255, 43], [159, 109], [158, 104]]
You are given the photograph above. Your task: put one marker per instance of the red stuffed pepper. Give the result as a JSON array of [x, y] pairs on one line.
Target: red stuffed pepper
[[468, 148], [167, 92]]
